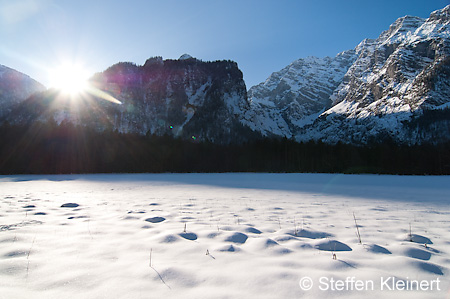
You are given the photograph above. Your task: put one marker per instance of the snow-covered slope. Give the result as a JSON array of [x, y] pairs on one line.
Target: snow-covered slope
[[381, 88], [395, 77], [292, 97], [14, 88]]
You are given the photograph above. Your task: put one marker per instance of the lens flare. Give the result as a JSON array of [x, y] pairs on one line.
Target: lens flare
[[101, 94], [73, 80], [69, 79]]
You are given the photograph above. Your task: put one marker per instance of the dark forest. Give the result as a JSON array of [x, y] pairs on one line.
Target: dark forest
[[63, 149]]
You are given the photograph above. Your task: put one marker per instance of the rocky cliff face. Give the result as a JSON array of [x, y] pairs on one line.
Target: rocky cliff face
[[378, 90], [185, 98], [15, 87]]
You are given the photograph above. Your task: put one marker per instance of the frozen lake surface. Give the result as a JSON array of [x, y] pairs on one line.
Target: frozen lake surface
[[224, 236]]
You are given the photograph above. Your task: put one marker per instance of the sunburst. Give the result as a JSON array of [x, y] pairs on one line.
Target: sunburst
[[73, 80], [69, 79]]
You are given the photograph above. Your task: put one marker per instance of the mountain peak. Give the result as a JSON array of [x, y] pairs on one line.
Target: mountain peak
[[442, 15], [401, 29], [185, 57]]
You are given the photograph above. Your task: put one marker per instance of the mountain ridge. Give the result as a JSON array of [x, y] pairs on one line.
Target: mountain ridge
[[387, 82], [15, 87], [386, 88], [185, 98]]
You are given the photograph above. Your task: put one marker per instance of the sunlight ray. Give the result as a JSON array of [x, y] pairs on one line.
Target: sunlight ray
[[101, 94]]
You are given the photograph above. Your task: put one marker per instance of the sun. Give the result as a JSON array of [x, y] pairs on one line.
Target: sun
[[73, 80], [69, 79]]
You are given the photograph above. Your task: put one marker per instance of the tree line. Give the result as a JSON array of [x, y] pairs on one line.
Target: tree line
[[48, 148]]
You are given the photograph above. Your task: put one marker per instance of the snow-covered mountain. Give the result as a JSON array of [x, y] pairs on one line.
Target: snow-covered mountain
[[394, 87], [15, 87], [185, 98], [296, 95], [383, 88]]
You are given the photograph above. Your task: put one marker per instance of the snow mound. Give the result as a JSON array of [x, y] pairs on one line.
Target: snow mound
[[228, 248], [237, 237], [262, 243], [332, 245], [374, 248], [310, 234], [253, 230], [429, 267], [189, 236], [155, 219], [69, 205], [418, 254], [416, 239]]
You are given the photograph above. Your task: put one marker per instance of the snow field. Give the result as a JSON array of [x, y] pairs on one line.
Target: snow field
[[221, 235]]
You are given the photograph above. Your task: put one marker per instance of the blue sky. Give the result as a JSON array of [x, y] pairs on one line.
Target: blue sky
[[261, 36]]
